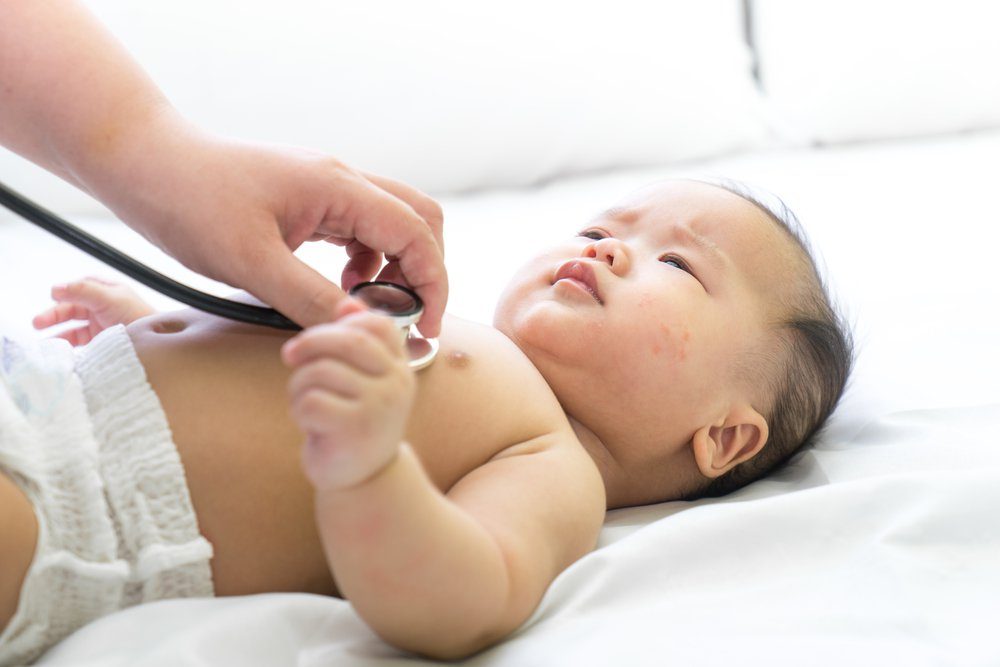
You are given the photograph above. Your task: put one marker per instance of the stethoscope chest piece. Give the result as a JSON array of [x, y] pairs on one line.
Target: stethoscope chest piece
[[404, 308]]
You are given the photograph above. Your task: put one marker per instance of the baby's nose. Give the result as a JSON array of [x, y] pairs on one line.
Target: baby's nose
[[609, 250]]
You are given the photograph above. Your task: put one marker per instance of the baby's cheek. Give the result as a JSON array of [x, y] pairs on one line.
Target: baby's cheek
[[663, 339], [670, 341]]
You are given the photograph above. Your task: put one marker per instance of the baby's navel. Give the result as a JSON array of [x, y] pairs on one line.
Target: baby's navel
[[169, 326], [458, 359]]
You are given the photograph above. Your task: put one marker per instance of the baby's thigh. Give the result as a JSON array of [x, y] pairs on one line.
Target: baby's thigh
[[18, 535]]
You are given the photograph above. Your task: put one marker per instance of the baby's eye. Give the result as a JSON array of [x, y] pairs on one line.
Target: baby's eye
[[592, 234], [675, 261]]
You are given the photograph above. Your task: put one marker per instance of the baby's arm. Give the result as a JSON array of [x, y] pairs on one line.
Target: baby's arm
[[97, 302], [440, 575], [447, 576]]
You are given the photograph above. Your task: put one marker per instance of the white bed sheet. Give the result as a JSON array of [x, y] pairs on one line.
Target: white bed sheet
[[881, 543]]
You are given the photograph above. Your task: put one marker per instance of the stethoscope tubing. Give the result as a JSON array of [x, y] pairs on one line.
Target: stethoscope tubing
[[241, 312], [50, 222]]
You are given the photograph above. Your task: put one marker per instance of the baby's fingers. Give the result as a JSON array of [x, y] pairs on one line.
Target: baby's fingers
[[89, 291], [327, 375], [62, 312], [316, 410], [365, 341], [77, 337]]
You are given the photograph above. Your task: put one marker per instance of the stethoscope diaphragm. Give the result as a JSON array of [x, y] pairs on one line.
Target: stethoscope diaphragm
[[404, 308]]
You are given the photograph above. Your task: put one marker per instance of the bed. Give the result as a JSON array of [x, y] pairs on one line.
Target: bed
[[879, 544]]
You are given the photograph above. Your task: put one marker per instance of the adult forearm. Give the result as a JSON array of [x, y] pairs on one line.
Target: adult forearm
[[71, 97], [421, 572]]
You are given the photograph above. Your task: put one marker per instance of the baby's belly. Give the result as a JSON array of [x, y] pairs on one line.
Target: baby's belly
[[223, 388]]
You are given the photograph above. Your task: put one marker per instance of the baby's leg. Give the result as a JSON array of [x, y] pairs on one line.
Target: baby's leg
[[18, 535]]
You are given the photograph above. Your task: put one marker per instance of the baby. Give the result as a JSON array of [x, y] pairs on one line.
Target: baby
[[681, 345]]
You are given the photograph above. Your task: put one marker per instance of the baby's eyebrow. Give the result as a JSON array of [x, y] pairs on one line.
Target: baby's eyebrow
[[712, 251], [620, 213]]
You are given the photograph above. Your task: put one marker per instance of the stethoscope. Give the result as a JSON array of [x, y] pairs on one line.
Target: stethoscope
[[399, 303]]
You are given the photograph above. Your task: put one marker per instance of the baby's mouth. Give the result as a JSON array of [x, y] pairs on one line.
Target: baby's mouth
[[581, 273]]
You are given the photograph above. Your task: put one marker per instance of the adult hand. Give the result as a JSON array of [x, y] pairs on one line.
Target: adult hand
[[77, 104], [235, 211]]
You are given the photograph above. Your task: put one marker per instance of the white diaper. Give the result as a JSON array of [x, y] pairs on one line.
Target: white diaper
[[84, 436]]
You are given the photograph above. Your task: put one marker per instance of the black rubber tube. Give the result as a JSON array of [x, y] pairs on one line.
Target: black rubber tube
[[50, 222]]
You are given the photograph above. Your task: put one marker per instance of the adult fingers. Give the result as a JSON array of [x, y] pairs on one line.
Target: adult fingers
[[391, 273], [390, 225], [362, 264], [426, 208], [292, 287]]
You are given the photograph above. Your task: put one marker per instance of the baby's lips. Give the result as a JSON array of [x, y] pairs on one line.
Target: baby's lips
[[582, 272]]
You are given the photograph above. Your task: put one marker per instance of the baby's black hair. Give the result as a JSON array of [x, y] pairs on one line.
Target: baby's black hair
[[807, 366]]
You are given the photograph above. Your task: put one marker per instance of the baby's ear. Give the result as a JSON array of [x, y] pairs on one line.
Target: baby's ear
[[733, 439]]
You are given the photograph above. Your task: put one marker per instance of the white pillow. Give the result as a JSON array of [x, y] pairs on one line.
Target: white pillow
[[862, 69], [453, 96]]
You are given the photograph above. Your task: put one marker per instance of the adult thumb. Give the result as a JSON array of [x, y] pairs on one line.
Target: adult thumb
[[295, 289]]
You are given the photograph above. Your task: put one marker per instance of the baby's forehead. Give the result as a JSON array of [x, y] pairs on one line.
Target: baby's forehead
[[707, 210], [684, 201], [757, 246]]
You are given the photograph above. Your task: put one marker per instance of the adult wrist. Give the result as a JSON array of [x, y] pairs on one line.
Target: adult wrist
[[117, 162]]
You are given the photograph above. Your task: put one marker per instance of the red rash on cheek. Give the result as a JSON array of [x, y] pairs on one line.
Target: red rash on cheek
[[682, 348], [657, 345], [679, 344]]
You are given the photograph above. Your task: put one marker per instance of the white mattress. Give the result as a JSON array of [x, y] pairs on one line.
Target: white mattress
[[881, 543]]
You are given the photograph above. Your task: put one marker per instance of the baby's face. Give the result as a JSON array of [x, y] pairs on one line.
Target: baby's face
[[638, 323]]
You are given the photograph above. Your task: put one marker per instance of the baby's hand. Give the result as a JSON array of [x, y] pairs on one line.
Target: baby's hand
[[99, 303], [351, 393]]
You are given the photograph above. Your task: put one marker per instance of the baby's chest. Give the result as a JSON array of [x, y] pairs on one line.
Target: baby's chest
[[469, 408]]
